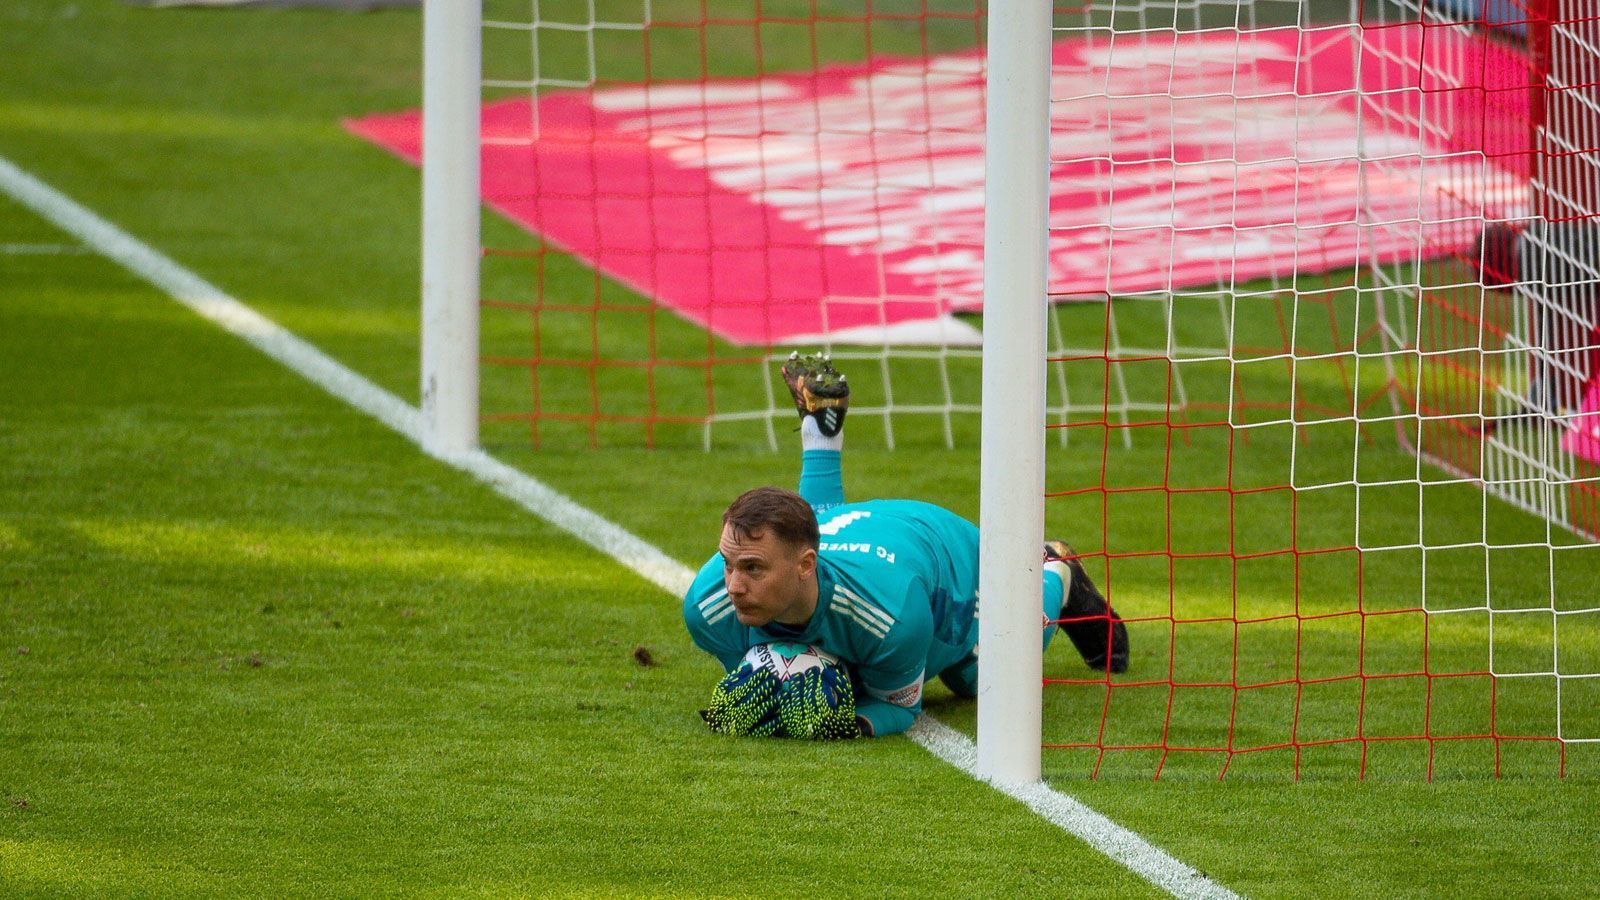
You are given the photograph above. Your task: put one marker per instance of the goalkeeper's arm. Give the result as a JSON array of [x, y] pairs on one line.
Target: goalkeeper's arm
[[708, 616], [892, 677]]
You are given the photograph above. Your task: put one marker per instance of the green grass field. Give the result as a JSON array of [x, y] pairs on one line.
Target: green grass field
[[252, 642]]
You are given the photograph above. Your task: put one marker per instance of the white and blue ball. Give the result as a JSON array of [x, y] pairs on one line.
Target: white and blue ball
[[788, 659]]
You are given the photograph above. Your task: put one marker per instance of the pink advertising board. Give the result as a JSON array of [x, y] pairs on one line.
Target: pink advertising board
[[847, 203]]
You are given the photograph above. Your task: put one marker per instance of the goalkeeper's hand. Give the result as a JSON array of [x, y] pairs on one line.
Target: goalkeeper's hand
[[744, 702], [818, 705]]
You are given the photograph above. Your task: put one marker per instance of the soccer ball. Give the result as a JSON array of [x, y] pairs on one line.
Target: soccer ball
[[787, 659]]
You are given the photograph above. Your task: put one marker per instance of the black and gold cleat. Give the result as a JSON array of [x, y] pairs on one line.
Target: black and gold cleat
[[1091, 624], [818, 389]]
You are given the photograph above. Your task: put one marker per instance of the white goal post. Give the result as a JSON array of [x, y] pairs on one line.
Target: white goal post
[[452, 72], [1011, 483]]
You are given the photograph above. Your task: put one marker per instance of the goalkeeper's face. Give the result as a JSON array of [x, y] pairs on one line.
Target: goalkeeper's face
[[768, 579]]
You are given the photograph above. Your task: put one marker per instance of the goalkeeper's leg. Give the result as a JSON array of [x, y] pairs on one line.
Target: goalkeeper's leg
[[1089, 621], [822, 397], [962, 678]]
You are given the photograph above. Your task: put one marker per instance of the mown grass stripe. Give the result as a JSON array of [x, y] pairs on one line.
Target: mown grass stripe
[[212, 303]]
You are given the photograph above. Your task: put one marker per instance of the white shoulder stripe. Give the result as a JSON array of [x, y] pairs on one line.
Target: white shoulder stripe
[[712, 600], [842, 605], [725, 612], [872, 613], [871, 609], [859, 600], [878, 630], [870, 629]]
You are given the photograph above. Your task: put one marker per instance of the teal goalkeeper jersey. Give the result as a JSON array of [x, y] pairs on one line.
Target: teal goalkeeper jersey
[[897, 584], [897, 600]]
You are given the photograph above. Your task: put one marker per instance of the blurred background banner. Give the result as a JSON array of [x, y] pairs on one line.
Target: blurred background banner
[[846, 204]]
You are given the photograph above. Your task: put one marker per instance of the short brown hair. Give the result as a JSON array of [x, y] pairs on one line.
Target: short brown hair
[[783, 512]]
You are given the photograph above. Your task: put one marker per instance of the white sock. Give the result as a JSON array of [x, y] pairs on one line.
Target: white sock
[[812, 438]]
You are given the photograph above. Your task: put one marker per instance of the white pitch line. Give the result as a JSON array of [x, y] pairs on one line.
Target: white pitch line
[[1125, 847], [269, 337]]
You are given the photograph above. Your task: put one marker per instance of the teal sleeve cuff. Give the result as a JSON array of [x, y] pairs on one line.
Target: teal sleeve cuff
[[885, 718]]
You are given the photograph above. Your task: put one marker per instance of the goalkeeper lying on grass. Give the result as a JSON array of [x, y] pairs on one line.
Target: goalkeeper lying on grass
[[888, 586]]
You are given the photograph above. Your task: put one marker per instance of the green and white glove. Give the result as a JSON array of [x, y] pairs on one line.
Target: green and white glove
[[744, 703], [818, 705]]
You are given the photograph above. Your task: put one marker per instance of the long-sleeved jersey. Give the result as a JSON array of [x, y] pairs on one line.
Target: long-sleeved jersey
[[897, 596]]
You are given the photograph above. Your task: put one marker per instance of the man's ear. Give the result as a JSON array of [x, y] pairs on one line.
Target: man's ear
[[808, 561]]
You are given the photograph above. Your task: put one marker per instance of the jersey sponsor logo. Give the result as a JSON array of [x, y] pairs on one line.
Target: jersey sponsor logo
[[871, 617], [906, 697], [838, 523]]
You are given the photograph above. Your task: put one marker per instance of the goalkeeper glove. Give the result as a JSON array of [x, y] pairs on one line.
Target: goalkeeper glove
[[818, 705], [744, 702]]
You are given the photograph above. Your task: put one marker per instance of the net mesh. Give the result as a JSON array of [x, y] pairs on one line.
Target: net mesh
[[1318, 529], [705, 186], [1321, 406]]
